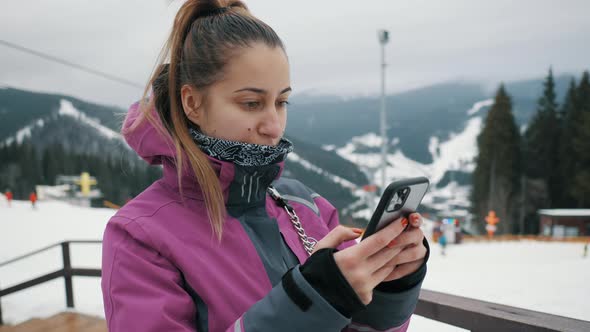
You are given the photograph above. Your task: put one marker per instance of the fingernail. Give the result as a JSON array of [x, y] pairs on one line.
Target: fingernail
[[358, 230], [391, 244], [415, 219], [405, 222]]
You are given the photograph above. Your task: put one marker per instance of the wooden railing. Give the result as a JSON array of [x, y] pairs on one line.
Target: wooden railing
[[466, 313], [481, 316], [510, 237], [67, 272]]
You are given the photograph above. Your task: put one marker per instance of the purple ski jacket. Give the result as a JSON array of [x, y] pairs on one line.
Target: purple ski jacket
[[163, 269]]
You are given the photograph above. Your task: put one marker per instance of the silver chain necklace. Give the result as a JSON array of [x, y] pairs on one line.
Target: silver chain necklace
[[308, 245]]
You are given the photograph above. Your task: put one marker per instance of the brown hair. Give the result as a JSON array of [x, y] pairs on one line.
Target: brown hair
[[205, 35]]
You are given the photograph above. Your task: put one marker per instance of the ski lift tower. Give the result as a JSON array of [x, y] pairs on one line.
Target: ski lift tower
[[383, 39]]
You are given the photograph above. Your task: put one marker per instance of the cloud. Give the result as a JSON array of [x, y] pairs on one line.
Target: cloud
[[332, 45]]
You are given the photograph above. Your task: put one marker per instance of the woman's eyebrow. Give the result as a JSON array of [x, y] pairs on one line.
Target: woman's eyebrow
[[261, 91]]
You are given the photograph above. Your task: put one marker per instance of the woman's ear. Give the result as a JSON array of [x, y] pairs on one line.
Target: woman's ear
[[192, 103]]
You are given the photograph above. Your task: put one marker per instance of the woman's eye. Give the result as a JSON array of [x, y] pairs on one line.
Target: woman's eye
[[283, 103], [252, 105]]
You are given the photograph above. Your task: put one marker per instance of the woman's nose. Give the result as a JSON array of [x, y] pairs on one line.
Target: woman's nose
[[272, 125]]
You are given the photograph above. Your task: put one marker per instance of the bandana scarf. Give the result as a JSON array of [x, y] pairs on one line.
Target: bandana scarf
[[239, 153]]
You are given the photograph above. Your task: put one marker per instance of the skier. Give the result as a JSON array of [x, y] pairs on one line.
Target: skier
[[9, 196], [33, 199], [442, 240]]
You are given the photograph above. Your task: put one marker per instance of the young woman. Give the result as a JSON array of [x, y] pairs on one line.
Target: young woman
[[221, 242]]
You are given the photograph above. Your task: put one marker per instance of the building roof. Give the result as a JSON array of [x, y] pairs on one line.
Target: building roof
[[565, 212]]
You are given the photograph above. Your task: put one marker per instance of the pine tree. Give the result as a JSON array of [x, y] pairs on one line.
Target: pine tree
[[567, 154], [541, 145], [497, 172], [581, 143]]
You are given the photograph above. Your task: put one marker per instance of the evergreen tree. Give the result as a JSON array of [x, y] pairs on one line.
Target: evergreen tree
[[541, 145], [22, 168], [567, 154], [581, 143], [497, 172]]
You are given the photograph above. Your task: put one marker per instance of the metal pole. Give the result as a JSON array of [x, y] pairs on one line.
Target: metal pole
[[1, 320], [65, 247], [383, 38], [522, 202]]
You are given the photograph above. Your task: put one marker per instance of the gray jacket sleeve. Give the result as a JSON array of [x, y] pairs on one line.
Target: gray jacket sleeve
[[278, 312], [387, 311], [394, 302]]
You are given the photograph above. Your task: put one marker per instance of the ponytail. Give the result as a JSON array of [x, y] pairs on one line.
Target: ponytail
[[205, 34]]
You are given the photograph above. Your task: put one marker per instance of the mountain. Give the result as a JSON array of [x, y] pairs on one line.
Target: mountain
[[413, 117], [44, 120], [47, 119], [431, 131]]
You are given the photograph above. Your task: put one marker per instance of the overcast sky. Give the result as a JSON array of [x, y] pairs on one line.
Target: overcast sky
[[332, 45]]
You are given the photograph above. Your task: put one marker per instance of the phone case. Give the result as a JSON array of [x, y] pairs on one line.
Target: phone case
[[400, 198]]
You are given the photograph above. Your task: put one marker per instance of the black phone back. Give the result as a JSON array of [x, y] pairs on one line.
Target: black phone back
[[400, 199]]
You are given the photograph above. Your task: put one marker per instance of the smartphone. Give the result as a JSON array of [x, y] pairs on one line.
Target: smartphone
[[400, 199]]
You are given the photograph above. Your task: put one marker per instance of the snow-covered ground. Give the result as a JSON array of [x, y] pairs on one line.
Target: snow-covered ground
[[547, 277]]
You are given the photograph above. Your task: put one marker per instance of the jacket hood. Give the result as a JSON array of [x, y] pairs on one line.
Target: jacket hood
[[147, 141], [157, 148]]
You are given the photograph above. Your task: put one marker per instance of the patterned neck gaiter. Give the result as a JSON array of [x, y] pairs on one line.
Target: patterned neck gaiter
[[239, 153]]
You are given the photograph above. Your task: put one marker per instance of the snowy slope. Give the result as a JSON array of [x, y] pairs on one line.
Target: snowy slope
[[66, 109], [454, 154], [547, 277], [313, 168]]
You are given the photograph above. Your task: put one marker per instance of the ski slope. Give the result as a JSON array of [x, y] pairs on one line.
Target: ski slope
[[456, 153], [548, 277]]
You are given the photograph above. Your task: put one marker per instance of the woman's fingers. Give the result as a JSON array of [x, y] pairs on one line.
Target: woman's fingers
[[383, 257], [410, 238], [383, 273], [413, 236], [337, 236], [410, 254], [381, 238], [403, 270], [416, 219]]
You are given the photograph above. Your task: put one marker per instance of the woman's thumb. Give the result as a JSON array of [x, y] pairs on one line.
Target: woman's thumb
[[337, 236]]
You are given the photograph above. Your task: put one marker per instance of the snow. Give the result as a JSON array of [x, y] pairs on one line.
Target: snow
[[22, 133], [25, 230], [66, 108], [369, 139], [458, 153], [308, 165], [566, 212], [479, 105], [543, 276]]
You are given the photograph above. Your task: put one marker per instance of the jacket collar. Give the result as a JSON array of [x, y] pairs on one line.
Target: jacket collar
[[243, 186]]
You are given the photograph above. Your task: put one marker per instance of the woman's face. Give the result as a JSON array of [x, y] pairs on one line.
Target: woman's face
[[250, 103]]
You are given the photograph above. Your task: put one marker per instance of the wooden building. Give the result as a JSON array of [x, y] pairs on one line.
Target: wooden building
[[564, 222]]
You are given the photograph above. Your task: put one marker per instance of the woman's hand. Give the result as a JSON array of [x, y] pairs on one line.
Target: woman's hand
[[368, 263], [412, 252], [337, 236]]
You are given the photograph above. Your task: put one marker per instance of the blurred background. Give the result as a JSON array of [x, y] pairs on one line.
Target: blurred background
[[489, 100]]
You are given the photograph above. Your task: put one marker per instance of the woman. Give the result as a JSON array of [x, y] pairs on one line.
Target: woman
[[213, 245]]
